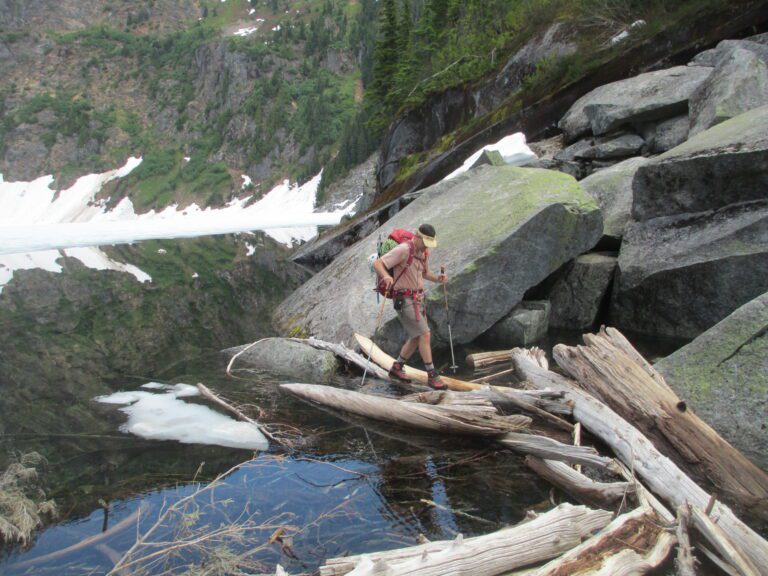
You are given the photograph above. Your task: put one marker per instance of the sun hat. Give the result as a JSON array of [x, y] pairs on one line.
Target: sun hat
[[427, 234]]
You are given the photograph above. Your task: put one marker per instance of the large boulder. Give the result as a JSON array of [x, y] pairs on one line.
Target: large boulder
[[716, 56], [285, 358], [680, 275], [723, 376], [501, 230], [738, 84], [524, 326], [724, 165], [647, 97], [577, 296], [665, 135], [612, 189]]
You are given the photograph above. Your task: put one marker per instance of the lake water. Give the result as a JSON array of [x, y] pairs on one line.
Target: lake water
[[351, 487]]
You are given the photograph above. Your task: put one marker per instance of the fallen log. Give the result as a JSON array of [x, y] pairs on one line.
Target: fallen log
[[545, 537], [206, 392], [610, 369], [661, 475], [485, 359], [415, 415], [727, 549], [606, 554], [347, 354], [586, 490], [522, 399], [684, 561], [551, 449]]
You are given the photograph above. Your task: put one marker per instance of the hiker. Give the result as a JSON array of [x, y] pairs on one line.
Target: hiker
[[408, 263]]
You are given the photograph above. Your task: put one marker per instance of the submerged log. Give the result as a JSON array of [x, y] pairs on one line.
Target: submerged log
[[415, 415], [606, 554], [610, 369], [545, 537], [661, 475], [586, 490], [550, 449]]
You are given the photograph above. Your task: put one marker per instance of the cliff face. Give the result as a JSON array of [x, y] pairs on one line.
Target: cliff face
[[88, 83]]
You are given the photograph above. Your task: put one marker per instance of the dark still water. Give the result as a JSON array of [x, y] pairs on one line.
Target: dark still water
[[351, 487]]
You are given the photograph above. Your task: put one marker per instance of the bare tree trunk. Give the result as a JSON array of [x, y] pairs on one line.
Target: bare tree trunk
[[610, 369], [598, 494], [661, 474], [605, 553], [545, 537], [723, 544]]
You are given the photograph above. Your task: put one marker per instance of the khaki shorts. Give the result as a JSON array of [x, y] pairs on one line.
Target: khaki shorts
[[413, 327]]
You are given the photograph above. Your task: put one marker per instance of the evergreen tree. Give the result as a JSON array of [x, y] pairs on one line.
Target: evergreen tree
[[386, 53]]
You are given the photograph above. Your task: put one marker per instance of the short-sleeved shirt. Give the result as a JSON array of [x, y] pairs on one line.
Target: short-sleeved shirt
[[413, 277]]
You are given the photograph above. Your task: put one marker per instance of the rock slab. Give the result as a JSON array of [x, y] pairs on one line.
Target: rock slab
[[500, 229], [726, 164], [723, 376], [286, 358], [577, 296]]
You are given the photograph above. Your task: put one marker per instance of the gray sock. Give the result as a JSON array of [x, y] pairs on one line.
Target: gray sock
[[430, 367], [401, 360]]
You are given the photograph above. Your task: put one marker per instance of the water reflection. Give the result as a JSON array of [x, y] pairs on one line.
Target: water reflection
[[354, 487]]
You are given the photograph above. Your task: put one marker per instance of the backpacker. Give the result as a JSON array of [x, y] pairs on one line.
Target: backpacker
[[396, 237]]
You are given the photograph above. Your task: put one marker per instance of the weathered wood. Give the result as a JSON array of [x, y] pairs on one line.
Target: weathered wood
[[586, 490], [547, 536], [729, 550], [685, 561], [661, 475], [210, 395], [347, 354], [385, 361], [610, 369], [549, 402], [550, 449], [484, 359], [495, 376], [424, 416], [636, 529]]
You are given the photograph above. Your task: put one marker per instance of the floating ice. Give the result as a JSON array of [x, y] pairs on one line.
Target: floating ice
[[164, 417]]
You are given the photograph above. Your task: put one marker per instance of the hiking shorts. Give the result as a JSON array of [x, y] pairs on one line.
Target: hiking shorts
[[407, 315]]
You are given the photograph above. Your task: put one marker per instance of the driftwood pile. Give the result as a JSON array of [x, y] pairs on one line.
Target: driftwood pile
[[663, 453]]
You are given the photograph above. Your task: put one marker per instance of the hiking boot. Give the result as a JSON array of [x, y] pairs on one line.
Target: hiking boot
[[397, 371], [434, 381]]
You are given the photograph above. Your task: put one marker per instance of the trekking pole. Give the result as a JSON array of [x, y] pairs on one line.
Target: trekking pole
[[448, 318], [370, 350]]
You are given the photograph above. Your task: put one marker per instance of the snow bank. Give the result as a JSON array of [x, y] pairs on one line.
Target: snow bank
[[512, 148]]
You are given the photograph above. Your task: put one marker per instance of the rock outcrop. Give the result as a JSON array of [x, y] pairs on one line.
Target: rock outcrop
[[644, 98], [680, 275], [578, 295], [286, 358], [723, 376], [501, 230], [738, 84], [725, 165], [524, 326], [612, 190]]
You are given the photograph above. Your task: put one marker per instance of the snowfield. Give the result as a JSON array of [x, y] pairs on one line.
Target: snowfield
[[39, 225]]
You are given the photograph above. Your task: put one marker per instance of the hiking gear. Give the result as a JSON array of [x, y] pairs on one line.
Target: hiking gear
[[448, 319], [395, 238], [434, 381], [427, 233], [397, 371]]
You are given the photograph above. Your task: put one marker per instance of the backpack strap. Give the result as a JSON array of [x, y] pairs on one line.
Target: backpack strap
[[411, 251]]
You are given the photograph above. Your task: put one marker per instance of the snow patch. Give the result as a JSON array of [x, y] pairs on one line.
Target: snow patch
[[513, 150], [246, 31], [163, 416]]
